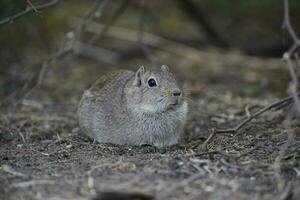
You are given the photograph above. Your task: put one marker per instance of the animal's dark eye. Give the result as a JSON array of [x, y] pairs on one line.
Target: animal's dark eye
[[151, 82]]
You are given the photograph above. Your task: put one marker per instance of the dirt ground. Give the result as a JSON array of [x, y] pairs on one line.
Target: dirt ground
[[44, 156]]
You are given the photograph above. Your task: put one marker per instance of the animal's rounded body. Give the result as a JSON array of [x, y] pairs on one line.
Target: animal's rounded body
[[134, 108]]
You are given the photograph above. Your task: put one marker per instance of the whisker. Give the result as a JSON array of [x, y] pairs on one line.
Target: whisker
[[160, 100]]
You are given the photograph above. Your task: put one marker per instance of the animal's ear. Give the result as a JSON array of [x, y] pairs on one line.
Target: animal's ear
[[164, 68], [138, 76]]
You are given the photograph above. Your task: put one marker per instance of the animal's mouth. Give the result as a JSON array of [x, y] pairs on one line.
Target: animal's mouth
[[176, 101], [171, 103]]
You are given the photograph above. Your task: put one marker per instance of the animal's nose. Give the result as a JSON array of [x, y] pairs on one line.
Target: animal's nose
[[176, 92]]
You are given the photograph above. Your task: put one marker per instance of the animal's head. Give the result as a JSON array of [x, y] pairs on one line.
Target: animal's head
[[154, 91]]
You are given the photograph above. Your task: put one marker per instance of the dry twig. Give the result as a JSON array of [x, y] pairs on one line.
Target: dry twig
[[68, 46], [178, 49], [28, 10], [276, 104], [32, 6], [294, 98], [207, 141], [291, 52]]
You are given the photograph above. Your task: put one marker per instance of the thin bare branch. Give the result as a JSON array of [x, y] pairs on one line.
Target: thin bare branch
[[69, 45], [292, 51], [287, 22], [207, 141], [32, 6], [97, 7], [294, 83], [177, 48], [96, 53], [287, 59], [286, 100], [28, 10]]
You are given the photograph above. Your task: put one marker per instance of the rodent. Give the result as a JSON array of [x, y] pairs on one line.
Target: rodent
[[134, 108]]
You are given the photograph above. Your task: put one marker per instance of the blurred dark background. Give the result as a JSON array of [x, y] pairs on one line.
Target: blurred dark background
[[233, 39]]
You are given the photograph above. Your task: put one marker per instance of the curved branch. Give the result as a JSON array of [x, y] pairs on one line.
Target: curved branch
[[27, 11], [292, 51], [286, 100]]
